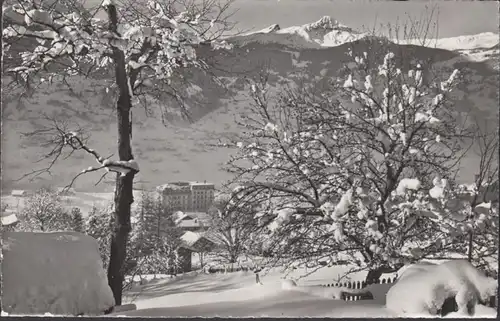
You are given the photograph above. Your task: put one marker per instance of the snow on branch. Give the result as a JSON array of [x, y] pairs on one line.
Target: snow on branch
[[122, 167], [63, 143]]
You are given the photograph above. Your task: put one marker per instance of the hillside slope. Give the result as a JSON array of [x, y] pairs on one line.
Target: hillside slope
[[179, 150]]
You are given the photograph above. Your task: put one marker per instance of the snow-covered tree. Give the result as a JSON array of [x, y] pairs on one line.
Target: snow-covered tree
[[140, 46], [350, 172], [477, 204], [77, 220], [43, 212], [232, 224]]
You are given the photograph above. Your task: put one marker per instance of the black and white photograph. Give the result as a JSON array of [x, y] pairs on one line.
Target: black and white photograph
[[250, 158]]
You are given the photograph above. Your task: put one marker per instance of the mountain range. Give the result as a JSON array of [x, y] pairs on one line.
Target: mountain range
[[179, 150]]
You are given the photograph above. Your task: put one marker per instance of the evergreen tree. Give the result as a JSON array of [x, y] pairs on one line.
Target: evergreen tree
[[77, 221], [98, 225], [156, 238]]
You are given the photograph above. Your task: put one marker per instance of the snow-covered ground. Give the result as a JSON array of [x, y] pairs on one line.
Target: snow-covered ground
[[237, 295]]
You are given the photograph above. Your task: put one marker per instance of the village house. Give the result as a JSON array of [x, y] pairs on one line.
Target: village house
[[191, 221], [197, 242]]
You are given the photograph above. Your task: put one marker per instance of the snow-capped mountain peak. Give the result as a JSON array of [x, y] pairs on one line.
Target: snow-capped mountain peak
[[325, 23], [326, 32]]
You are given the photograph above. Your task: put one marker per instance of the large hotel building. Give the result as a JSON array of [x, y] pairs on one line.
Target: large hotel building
[[187, 196]]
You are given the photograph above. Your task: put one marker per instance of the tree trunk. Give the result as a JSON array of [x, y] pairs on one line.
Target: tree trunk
[[124, 184], [374, 275], [123, 200]]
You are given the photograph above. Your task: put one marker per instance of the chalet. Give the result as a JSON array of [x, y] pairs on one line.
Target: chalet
[[199, 242], [191, 221], [193, 242]]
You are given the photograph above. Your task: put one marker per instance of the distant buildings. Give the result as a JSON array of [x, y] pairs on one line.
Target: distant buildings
[[187, 196]]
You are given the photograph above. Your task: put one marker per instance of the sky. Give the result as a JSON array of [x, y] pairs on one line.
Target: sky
[[454, 18]]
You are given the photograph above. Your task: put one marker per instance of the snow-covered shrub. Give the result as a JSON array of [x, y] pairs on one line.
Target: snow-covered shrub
[[352, 172], [59, 273], [423, 288]]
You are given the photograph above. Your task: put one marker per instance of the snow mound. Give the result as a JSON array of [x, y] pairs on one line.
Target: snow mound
[[422, 288], [58, 273]]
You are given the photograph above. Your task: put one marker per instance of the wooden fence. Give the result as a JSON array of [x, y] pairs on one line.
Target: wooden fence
[[360, 284], [229, 270]]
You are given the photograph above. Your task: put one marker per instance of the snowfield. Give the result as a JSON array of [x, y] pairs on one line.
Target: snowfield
[[59, 273], [237, 295]]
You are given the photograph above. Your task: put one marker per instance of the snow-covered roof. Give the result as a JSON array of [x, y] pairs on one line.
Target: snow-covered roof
[[9, 219], [191, 219], [191, 238], [182, 186], [189, 223], [170, 186], [18, 192], [201, 183]]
